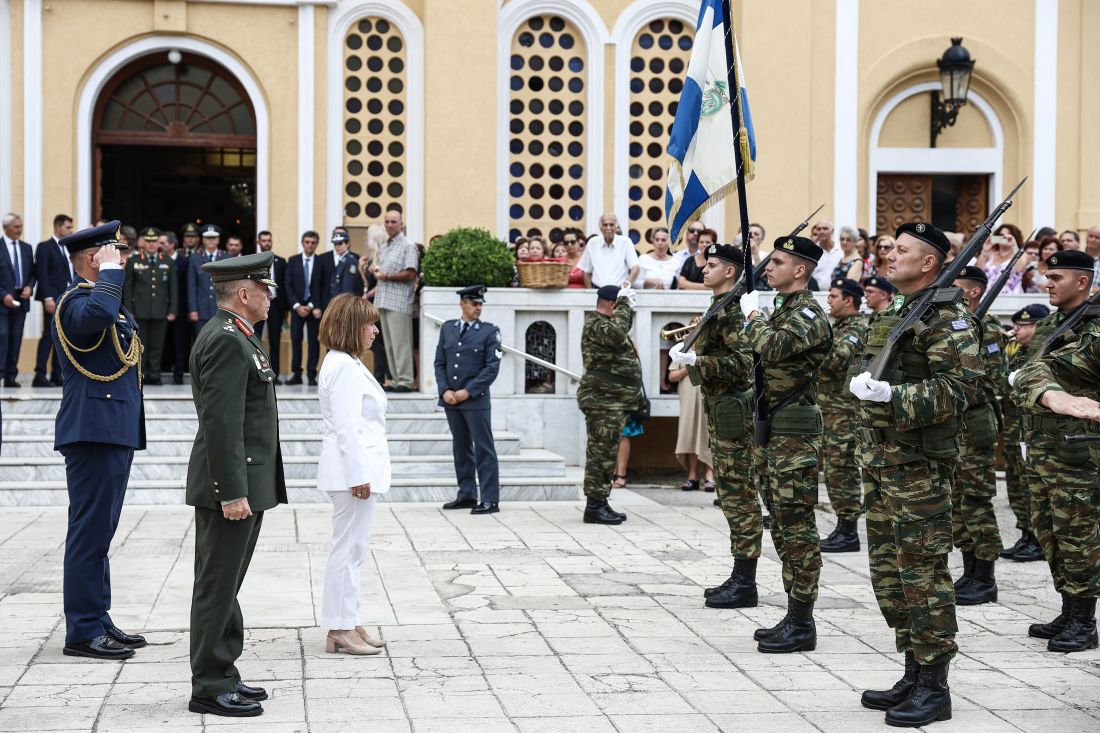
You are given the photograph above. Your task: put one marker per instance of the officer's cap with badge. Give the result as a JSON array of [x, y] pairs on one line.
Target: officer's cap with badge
[[211, 231], [975, 274], [150, 234], [848, 286], [608, 292], [726, 252], [108, 233], [339, 237], [1071, 260], [246, 267], [799, 247], [190, 229], [878, 281], [926, 233], [473, 293], [1031, 313]]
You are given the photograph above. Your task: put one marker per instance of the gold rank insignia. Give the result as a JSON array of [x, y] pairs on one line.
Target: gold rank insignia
[[789, 244], [1025, 316]]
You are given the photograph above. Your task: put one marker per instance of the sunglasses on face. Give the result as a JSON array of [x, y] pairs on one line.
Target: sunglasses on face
[[567, 242]]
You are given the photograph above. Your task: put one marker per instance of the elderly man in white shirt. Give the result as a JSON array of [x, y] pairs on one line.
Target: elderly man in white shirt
[[610, 259]]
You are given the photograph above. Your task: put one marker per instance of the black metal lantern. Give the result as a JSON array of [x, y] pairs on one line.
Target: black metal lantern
[[955, 67]]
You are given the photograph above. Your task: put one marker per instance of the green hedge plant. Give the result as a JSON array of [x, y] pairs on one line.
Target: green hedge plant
[[468, 256]]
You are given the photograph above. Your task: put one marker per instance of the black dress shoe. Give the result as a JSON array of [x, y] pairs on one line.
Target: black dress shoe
[[277, 381], [486, 508], [56, 380], [256, 694], [41, 382], [101, 647], [155, 381], [229, 704], [313, 381], [461, 504], [131, 640], [11, 384], [402, 388], [296, 379], [177, 379]]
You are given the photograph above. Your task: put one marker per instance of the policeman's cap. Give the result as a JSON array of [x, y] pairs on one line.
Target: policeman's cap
[[726, 252], [190, 229], [108, 233], [1071, 260], [211, 230], [246, 267], [848, 286], [926, 233], [800, 247], [970, 272], [150, 234], [473, 293], [1031, 313], [878, 281], [608, 292], [339, 237]]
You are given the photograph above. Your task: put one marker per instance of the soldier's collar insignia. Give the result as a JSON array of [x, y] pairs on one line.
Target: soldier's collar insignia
[[228, 325], [899, 300], [789, 245], [779, 301], [243, 326], [920, 227]]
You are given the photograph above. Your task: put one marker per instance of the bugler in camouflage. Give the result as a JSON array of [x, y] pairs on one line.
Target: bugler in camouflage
[[838, 409]]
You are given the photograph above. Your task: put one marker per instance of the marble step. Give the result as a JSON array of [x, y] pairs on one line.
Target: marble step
[[171, 444], [527, 463], [564, 488], [291, 399]]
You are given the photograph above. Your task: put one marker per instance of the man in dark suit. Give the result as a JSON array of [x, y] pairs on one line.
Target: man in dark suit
[[340, 269], [100, 423], [200, 289], [149, 292], [467, 360], [180, 330], [16, 286], [304, 292], [276, 316], [54, 273]]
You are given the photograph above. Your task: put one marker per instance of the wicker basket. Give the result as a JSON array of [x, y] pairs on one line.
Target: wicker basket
[[543, 274]]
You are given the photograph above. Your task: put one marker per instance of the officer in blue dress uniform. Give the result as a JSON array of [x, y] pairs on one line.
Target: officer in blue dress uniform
[[467, 359], [200, 288], [100, 424]]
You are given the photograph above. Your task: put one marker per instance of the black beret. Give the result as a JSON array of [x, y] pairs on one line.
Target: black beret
[[608, 292], [1031, 313], [878, 281], [726, 252], [970, 272], [800, 246], [847, 285], [475, 293], [108, 233], [925, 232], [1073, 259]]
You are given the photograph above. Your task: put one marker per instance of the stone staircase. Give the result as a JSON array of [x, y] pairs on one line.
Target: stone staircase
[[33, 474]]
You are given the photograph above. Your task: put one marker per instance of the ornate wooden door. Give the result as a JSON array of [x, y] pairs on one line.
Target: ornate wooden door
[[902, 197], [972, 205]]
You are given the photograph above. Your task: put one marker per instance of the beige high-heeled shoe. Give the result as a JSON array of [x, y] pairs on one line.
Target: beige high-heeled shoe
[[367, 638], [350, 642]]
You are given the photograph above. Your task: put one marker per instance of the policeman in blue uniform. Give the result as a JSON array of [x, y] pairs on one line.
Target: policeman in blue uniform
[[100, 424], [467, 360], [200, 288], [341, 272]]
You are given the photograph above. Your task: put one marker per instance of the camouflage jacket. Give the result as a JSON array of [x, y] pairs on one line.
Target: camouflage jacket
[[1074, 368], [930, 376], [724, 361], [848, 335], [1017, 356], [792, 344], [612, 371], [1046, 327], [994, 382]]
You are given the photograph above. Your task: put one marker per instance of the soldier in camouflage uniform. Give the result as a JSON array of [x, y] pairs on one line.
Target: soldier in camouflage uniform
[[907, 446], [1027, 548], [838, 409], [973, 522], [721, 366], [610, 390], [879, 293], [1062, 476], [792, 344]]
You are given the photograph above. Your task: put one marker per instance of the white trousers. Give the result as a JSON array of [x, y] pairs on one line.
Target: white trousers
[[351, 522]]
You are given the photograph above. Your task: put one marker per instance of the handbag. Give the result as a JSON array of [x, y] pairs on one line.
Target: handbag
[[642, 413]]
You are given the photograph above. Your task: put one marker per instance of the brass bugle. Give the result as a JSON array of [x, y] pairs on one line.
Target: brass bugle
[[676, 334]]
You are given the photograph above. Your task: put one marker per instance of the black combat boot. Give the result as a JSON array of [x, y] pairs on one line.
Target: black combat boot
[[708, 592], [844, 539], [764, 633], [982, 587], [1031, 550], [968, 571], [1080, 632], [886, 699], [1055, 627], [741, 592], [1008, 552], [797, 633], [597, 511], [929, 701]]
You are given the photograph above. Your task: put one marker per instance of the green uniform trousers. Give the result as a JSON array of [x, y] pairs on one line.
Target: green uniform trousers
[[788, 471], [152, 332], [839, 463], [223, 549], [604, 428], [973, 521], [908, 540], [736, 493], [1016, 483]]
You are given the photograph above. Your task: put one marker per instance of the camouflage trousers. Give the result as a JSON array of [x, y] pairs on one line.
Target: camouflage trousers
[[1064, 516], [839, 463], [736, 492], [604, 428], [788, 473], [973, 521], [1016, 481], [908, 540]]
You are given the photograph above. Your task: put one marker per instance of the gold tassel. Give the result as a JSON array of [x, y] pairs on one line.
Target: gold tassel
[[746, 159]]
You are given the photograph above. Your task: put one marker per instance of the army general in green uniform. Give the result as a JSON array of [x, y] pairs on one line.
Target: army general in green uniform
[[792, 345], [150, 291], [234, 476]]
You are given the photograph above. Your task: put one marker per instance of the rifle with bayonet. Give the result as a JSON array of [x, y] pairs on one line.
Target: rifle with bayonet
[[739, 289], [943, 290], [999, 284]]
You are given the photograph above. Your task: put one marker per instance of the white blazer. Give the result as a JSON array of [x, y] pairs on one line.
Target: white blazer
[[353, 415]]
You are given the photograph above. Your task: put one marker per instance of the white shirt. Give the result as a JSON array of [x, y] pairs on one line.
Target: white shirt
[[354, 450], [609, 264], [681, 255], [823, 273], [666, 270]]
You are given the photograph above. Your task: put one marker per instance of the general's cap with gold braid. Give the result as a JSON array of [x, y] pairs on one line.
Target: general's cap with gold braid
[[800, 247], [108, 233], [246, 267]]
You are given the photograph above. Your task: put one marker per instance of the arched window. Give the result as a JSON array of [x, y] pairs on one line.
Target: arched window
[[547, 136], [375, 121], [540, 340], [658, 61]]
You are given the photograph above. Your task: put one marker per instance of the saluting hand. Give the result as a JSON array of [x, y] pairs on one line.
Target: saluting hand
[[108, 254], [236, 510]]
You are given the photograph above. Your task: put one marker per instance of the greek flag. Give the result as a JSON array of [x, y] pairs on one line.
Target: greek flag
[[702, 167]]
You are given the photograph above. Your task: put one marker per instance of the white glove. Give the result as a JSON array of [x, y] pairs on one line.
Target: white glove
[[750, 302], [1012, 377], [680, 357], [871, 390], [630, 295]]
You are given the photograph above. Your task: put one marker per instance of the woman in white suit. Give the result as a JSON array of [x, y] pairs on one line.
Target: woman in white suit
[[354, 467]]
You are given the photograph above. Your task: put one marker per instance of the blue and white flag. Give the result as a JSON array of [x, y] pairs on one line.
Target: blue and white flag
[[703, 166]]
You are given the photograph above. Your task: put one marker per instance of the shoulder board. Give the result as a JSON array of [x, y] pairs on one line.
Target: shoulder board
[[809, 313], [959, 325]]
